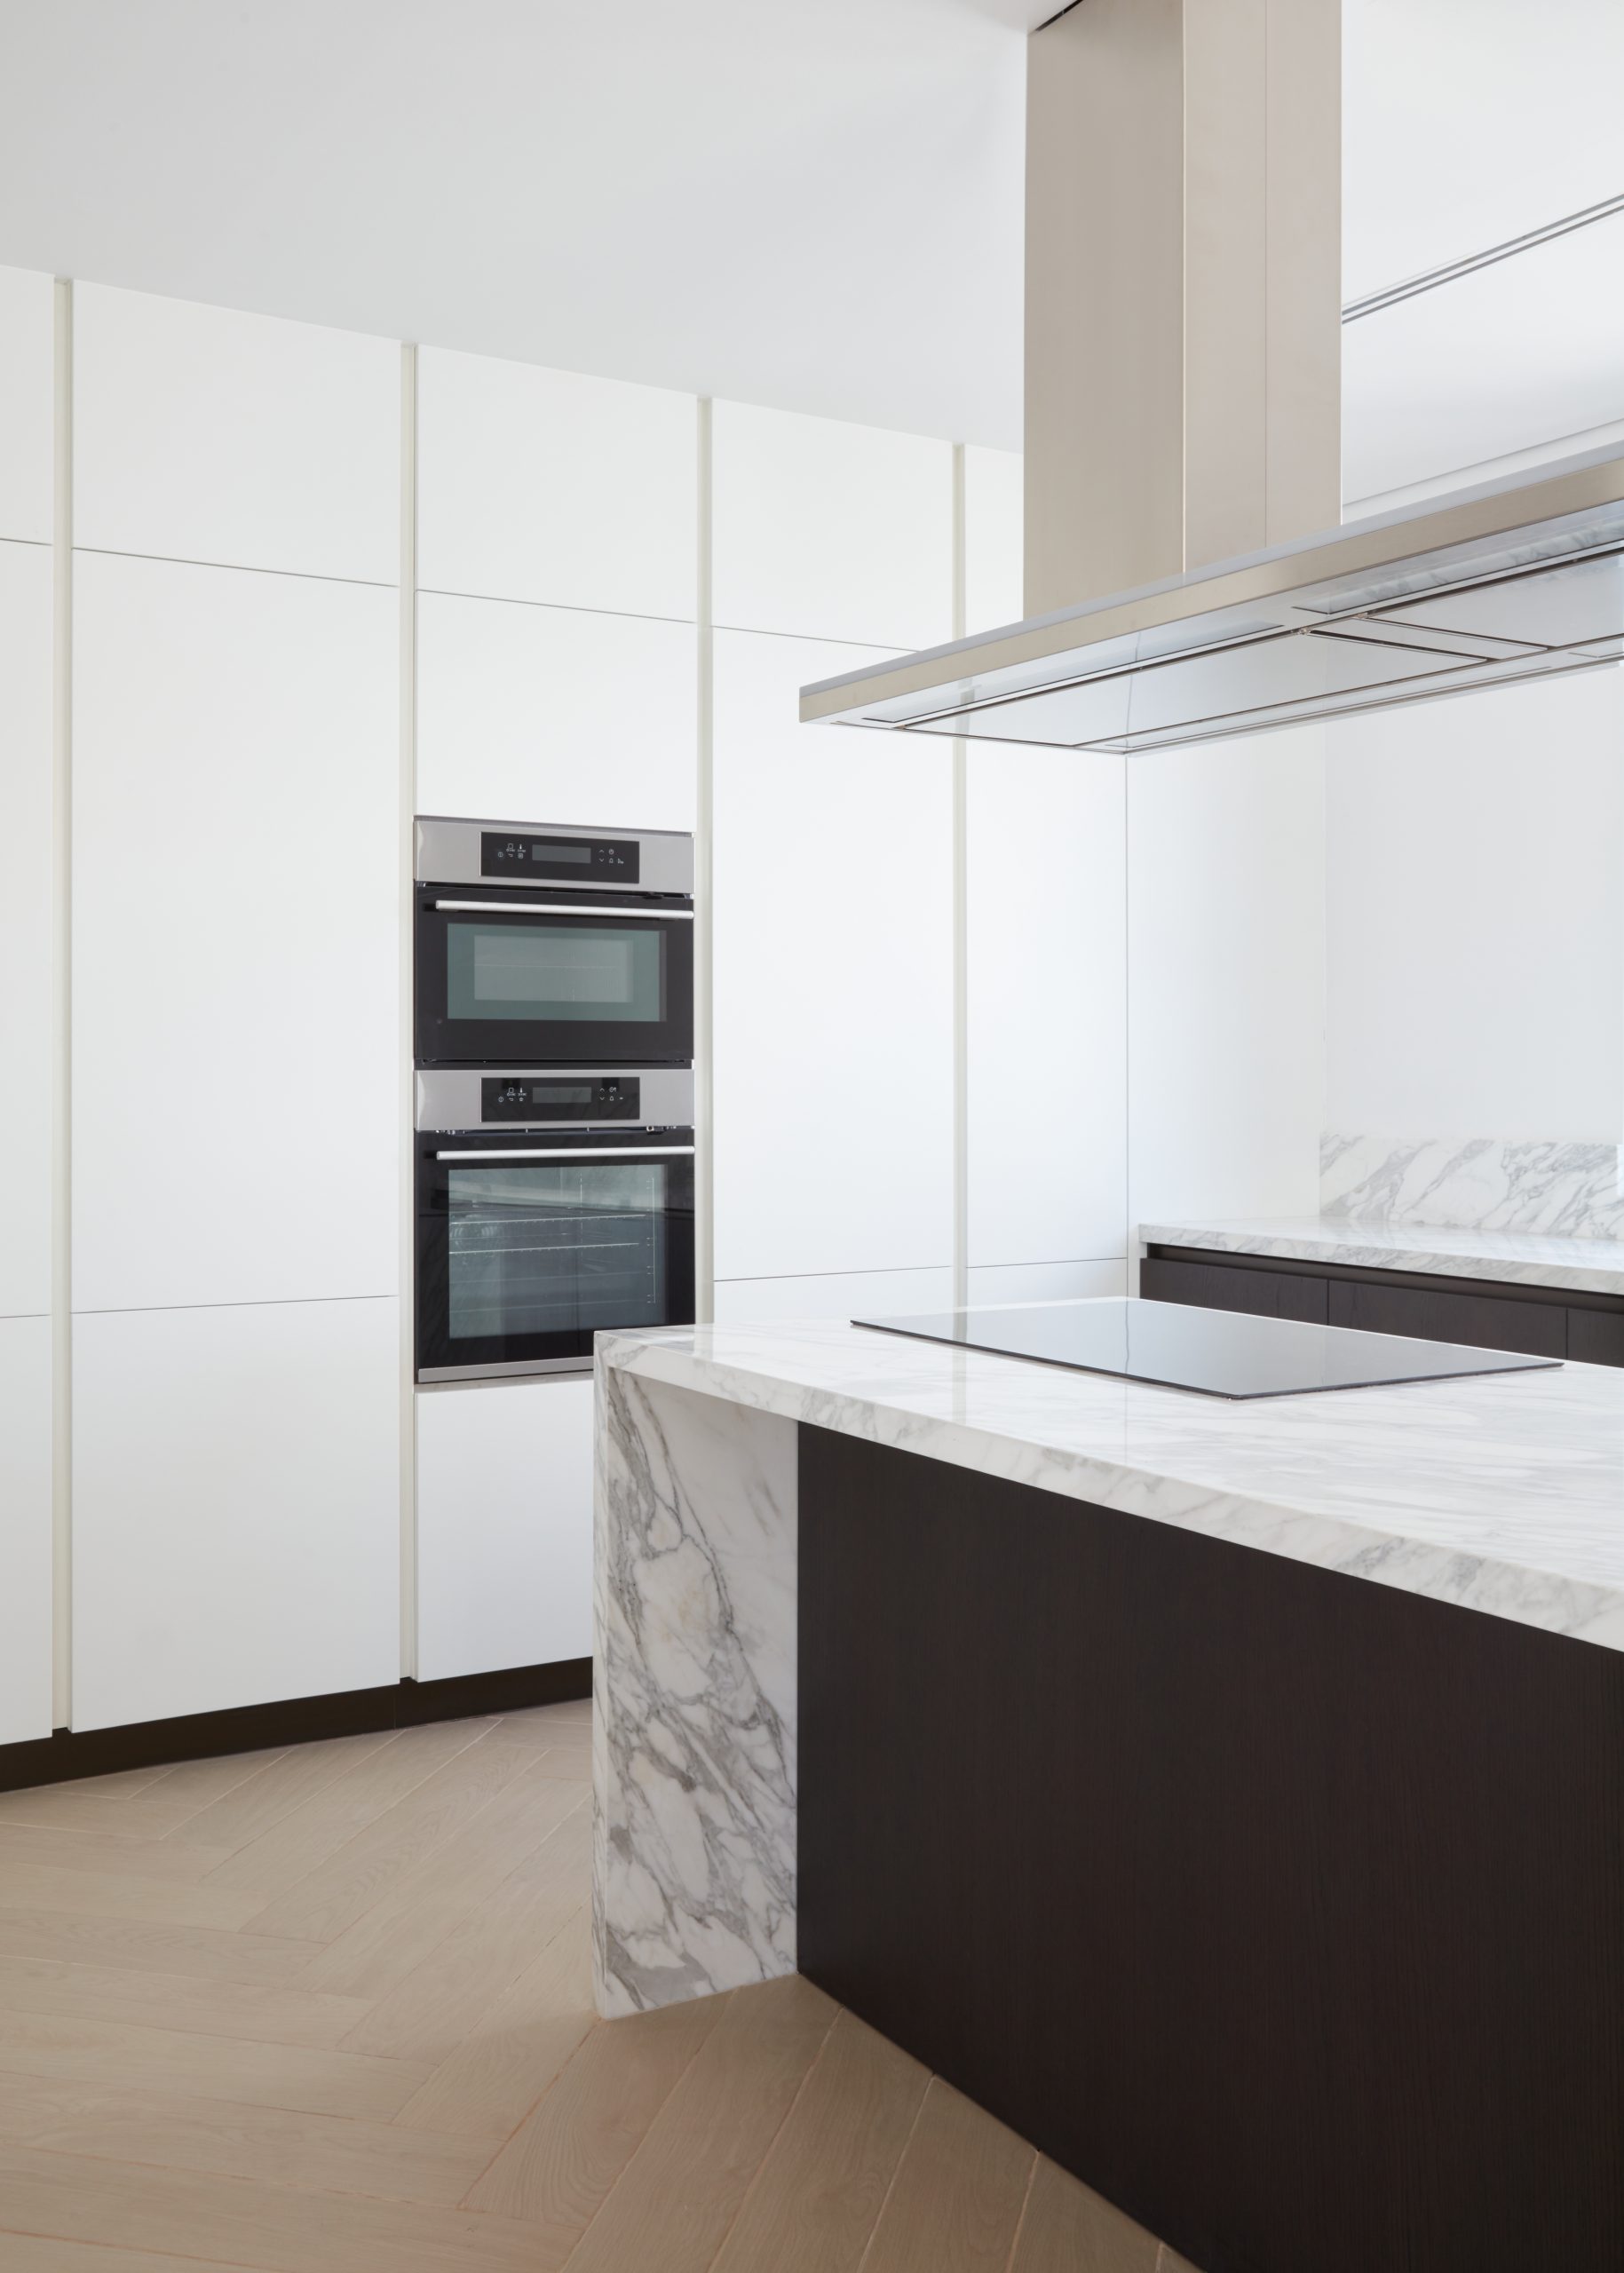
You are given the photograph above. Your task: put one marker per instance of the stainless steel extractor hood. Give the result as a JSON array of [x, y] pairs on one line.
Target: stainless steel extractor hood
[[1518, 579]]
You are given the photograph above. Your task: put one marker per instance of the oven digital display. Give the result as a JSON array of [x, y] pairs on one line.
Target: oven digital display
[[564, 859], [517, 1098]]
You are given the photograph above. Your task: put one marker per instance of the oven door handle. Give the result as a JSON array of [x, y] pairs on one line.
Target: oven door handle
[[577, 1153], [605, 914]]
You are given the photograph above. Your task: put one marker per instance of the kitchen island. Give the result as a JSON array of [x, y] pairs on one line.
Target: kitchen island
[[1229, 1797]]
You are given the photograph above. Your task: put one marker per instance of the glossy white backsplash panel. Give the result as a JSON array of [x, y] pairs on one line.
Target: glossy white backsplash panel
[[1474, 1183]]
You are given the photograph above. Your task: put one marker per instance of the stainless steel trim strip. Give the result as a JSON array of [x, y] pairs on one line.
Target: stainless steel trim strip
[[1430, 279], [577, 1153], [514, 1369], [519, 907]]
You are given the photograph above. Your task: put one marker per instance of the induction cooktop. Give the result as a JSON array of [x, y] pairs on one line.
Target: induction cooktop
[[1215, 1353]]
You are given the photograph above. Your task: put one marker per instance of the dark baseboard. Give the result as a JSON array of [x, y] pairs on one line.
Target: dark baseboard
[[72, 1753]]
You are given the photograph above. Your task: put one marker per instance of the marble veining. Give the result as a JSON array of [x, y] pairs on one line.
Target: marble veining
[[694, 1676], [1519, 1258], [1484, 1184], [1501, 1493]]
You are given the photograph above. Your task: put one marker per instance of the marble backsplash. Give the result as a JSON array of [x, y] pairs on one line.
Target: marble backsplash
[[1485, 1183]]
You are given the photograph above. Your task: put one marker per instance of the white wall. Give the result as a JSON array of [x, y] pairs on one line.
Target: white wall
[[1475, 922], [1226, 977]]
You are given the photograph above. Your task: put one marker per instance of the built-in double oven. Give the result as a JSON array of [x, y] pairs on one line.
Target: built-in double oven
[[554, 1092]]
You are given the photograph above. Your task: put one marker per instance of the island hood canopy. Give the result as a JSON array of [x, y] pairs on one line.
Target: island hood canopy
[[1514, 580], [1182, 452]]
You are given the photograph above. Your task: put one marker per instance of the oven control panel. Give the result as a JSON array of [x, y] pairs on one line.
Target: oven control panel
[[521, 1097], [522, 857]]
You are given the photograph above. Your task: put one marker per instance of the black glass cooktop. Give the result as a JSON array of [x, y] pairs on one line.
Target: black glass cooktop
[[1218, 1353]]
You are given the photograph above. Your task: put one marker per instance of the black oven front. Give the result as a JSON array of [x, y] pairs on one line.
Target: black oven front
[[530, 1240], [552, 946]]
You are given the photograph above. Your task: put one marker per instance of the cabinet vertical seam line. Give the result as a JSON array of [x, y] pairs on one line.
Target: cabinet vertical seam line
[[961, 916], [62, 1153], [704, 1162], [407, 1157]]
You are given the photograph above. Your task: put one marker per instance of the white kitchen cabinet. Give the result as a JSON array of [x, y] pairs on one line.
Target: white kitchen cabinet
[[830, 530], [504, 1524], [1524, 357], [540, 485], [548, 714], [25, 1529], [236, 1507], [201, 433], [1045, 1282], [1226, 943], [1047, 1006], [833, 974], [28, 334], [993, 523], [26, 942], [833, 1294], [236, 917]]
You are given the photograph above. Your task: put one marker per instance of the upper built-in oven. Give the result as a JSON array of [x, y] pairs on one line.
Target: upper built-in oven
[[561, 946]]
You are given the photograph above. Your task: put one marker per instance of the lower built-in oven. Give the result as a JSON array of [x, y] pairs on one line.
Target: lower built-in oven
[[550, 1203], [553, 947]]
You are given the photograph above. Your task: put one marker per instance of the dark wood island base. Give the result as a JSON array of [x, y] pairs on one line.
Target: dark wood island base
[[1284, 1908]]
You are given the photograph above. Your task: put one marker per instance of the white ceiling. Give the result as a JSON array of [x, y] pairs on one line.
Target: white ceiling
[[781, 201], [810, 202]]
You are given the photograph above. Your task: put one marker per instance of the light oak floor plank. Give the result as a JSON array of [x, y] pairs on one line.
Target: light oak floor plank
[[557, 2172], [366, 1787], [239, 2221], [146, 1814], [264, 2013], [105, 1894], [415, 1913], [516, 2048], [316, 2153], [205, 1781], [329, 1899], [248, 1812], [128, 1855], [1069, 2228], [681, 2190], [815, 2200], [35, 2253], [153, 1946], [958, 2194], [315, 2082], [436, 2007]]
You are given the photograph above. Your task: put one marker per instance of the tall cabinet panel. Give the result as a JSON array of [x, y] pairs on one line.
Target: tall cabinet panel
[[831, 531], [504, 1525], [555, 714], [25, 1529], [236, 912], [236, 1507], [552, 486], [26, 396], [201, 433], [833, 988], [25, 943]]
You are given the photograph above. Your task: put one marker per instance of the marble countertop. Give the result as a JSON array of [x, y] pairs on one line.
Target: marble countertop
[[1526, 1258], [1502, 1494]]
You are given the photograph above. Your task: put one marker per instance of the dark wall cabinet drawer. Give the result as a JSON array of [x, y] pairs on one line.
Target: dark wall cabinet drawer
[[1485, 1321], [1219, 1286]]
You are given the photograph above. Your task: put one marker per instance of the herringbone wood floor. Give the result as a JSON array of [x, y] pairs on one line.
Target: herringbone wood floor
[[327, 2011]]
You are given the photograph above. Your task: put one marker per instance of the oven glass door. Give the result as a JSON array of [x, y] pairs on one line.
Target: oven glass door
[[524, 1252], [502, 983]]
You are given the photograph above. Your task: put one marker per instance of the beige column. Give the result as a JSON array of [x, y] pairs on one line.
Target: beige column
[[1183, 287]]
